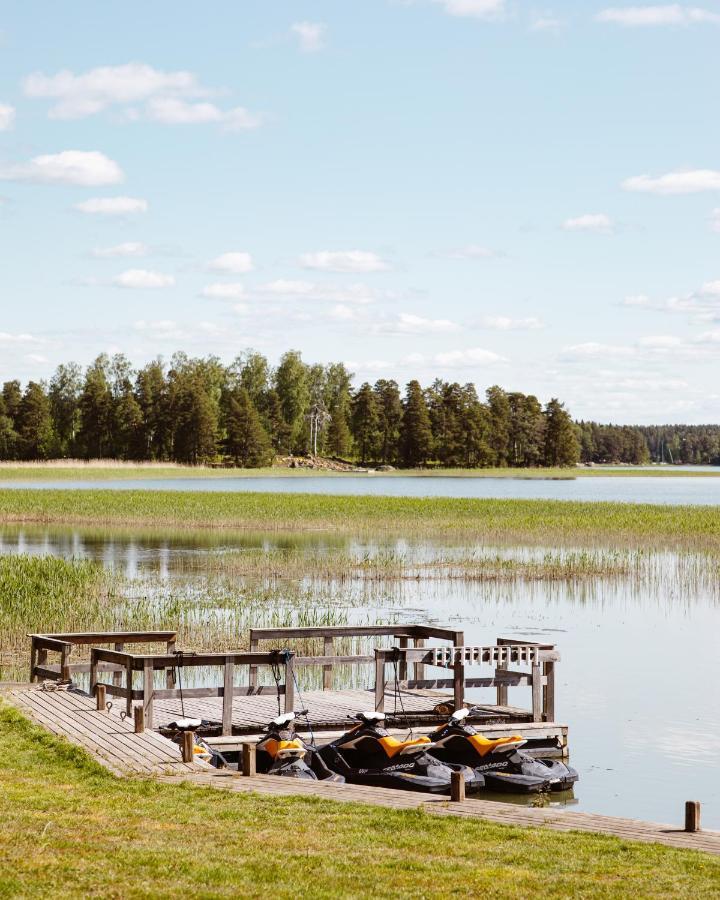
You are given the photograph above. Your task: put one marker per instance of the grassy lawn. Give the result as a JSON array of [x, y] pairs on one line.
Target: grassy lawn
[[69, 829], [546, 520]]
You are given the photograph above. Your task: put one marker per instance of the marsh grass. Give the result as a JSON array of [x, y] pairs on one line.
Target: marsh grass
[[555, 522]]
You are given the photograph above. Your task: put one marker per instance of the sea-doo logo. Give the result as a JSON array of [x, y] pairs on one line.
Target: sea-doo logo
[[492, 766]]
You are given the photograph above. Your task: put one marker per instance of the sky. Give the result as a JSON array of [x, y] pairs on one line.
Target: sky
[[479, 190]]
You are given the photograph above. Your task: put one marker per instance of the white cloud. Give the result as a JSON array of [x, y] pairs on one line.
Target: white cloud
[[176, 111], [344, 261], [308, 290], [652, 348], [113, 206], [142, 278], [691, 181], [598, 223], [85, 168], [310, 35], [408, 323], [236, 262], [703, 304], [167, 96], [474, 251], [7, 117], [668, 14], [464, 359], [594, 350], [715, 220], [36, 358], [474, 9], [637, 300], [229, 291], [129, 248], [505, 323], [6, 338]]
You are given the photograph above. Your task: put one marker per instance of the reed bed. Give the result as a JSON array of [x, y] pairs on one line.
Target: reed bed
[[553, 521]]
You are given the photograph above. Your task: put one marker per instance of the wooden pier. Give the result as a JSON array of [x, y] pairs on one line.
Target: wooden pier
[[161, 680]]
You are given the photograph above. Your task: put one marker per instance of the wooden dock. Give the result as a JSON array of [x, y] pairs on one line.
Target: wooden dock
[[111, 740]]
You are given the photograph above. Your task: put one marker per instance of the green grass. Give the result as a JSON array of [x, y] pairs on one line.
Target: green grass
[[69, 829], [105, 470], [547, 520]]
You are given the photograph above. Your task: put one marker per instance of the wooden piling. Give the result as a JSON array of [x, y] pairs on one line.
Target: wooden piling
[[139, 720], [249, 769], [457, 787], [692, 815], [100, 698], [188, 746]]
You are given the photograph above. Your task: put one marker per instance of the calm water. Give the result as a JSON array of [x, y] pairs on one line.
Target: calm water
[[638, 682], [699, 490]]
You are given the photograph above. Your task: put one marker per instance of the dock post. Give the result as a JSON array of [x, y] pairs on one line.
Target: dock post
[[419, 667], [228, 684], [65, 663], [100, 698], [379, 681], [33, 659], [327, 670], [290, 682], [170, 673], [692, 815], [117, 676], [42, 656], [128, 688], [139, 720], [188, 746], [457, 787], [252, 673], [93, 670], [537, 692], [249, 769], [402, 665], [147, 700], [458, 680], [549, 692]]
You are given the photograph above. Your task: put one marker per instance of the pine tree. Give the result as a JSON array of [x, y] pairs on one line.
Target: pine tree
[[291, 385], [390, 414], [8, 436], [416, 433], [64, 395], [95, 436], [499, 420], [36, 438], [561, 443], [365, 423], [151, 393], [247, 442]]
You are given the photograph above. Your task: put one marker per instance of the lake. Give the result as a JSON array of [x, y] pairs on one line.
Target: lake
[[697, 490], [638, 681]]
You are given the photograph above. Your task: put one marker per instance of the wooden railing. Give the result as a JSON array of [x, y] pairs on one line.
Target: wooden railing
[[282, 662], [540, 660], [403, 634], [63, 643]]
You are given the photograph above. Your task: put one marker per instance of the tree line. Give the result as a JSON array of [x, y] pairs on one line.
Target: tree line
[[197, 410], [639, 444]]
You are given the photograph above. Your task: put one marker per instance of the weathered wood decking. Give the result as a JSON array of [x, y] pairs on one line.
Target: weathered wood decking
[[112, 741]]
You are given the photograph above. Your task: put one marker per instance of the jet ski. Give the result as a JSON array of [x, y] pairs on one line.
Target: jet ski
[[368, 754], [504, 766], [282, 752]]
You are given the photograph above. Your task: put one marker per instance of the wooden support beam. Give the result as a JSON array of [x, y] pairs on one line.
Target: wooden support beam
[[118, 647], [419, 673], [328, 649], [289, 684], [549, 692], [402, 665], [188, 746], [42, 656], [139, 718], [148, 686], [170, 673], [33, 659], [459, 684], [249, 768], [228, 684], [379, 682], [100, 698], [65, 663], [93, 671], [252, 675], [128, 688], [692, 815], [537, 692], [457, 787]]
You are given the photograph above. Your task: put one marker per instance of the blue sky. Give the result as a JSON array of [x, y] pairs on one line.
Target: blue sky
[[479, 190]]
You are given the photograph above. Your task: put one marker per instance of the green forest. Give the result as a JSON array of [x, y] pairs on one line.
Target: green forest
[[200, 411]]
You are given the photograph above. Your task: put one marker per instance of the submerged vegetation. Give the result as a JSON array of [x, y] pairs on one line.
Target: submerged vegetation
[[552, 521], [155, 840]]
